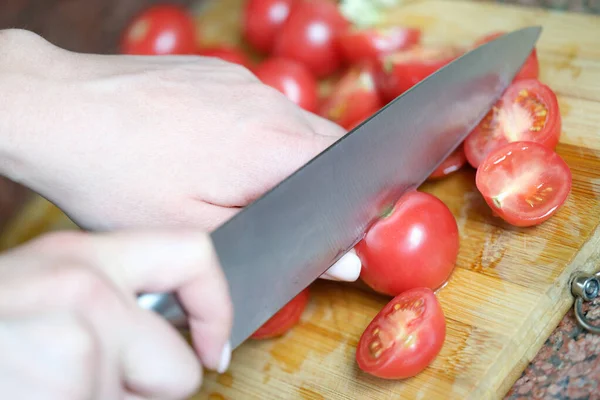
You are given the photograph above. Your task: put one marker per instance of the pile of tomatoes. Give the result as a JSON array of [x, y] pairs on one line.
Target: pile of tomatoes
[[412, 250]]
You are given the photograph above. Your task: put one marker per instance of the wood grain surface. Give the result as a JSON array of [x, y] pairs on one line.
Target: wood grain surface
[[510, 287]]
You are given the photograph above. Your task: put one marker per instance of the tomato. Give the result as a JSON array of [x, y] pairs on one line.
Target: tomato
[[309, 36], [229, 54], [524, 183], [399, 71], [263, 20], [354, 98], [414, 245], [527, 111], [290, 78], [531, 67], [366, 44], [404, 337], [285, 319], [453, 163], [159, 30]]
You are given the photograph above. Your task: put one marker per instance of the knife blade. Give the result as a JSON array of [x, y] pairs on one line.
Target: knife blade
[[278, 245]]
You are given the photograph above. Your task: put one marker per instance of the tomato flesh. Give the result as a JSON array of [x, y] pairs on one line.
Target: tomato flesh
[[285, 319], [399, 71], [453, 163], [527, 111], [160, 30], [531, 67], [229, 54], [309, 36], [404, 337], [292, 79], [524, 183], [358, 45], [263, 19], [415, 245], [354, 98]]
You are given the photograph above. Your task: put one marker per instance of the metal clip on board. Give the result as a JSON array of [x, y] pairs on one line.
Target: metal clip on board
[[585, 287]]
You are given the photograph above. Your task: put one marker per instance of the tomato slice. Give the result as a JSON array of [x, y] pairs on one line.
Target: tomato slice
[[404, 337], [292, 79], [309, 36], [453, 163], [227, 53], [415, 245], [527, 111], [160, 30], [531, 67], [285, 319], [263, 19], [524, 183], [354, 98], [359, 45], [399, 71]]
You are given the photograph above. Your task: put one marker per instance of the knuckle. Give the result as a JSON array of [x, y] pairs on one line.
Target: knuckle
[[73, 335], [80, 285], [63, 241]]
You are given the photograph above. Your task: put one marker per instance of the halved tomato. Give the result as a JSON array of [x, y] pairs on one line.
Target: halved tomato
[[404, 337], [227, 53], [399, 71], [524, 183], [531, 68], [292, 79], [527, 111], [285, 319], [354, 98], [359, 45], [453, 163]]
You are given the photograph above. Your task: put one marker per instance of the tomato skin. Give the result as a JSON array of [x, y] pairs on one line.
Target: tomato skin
[[368, 44], [492, 132], [524, 183], [416, 245], [160, 30], [399, 71], [229, 54], [531, 67], [453, 163], [309, 36], [263, 19], [285, 319], [354, 98], [414, 335], [290, 78]]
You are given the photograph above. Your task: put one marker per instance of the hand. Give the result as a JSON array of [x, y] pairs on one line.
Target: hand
[[137, 142], [70, 327]]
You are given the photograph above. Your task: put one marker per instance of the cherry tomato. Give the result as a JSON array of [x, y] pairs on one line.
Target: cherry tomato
[[367, 44], [453, 163], [404, 337], [309, 36], [415, 245], [527, 111], [159, 30], [524, 183], [263, 20], [531, 68], [354, 98], [285, 319], [399, 71], [290, 78], [229, 54]]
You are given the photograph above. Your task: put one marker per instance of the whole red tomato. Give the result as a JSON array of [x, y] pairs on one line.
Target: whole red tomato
[[159, 30], [290, 78], [415, 245], [310, 36], [262, 21]]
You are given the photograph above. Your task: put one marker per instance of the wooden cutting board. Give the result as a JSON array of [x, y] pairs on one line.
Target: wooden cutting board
[[510, 287]]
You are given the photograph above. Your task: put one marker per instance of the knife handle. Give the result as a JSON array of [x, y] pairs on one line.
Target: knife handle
[[166, 305]]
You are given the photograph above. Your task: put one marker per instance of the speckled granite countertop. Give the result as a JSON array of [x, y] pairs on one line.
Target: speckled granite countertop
[[567, 366]]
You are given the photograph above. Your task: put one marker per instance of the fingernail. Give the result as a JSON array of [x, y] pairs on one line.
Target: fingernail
[[346, 269], [225, 358]]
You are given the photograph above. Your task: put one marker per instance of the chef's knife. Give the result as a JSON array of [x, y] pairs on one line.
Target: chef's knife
[[275, 247]]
